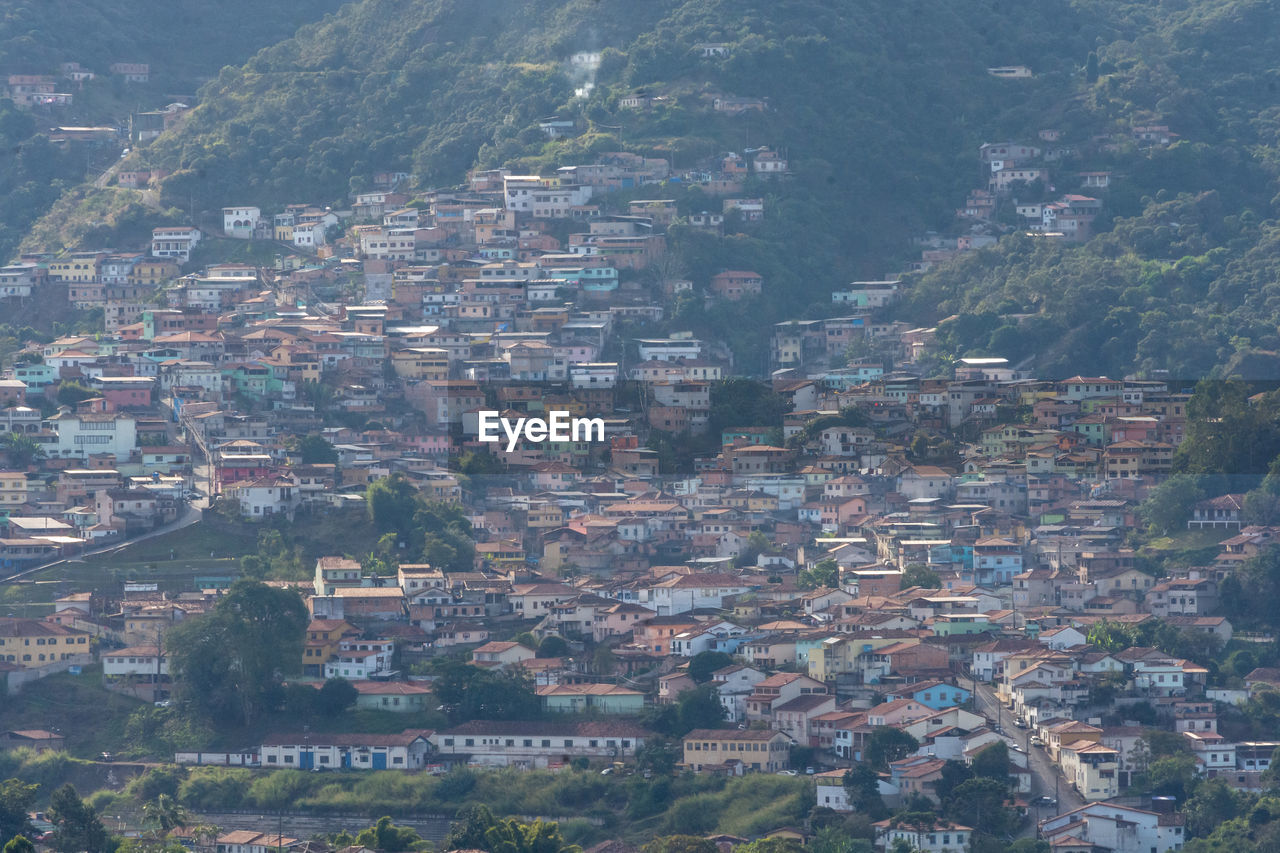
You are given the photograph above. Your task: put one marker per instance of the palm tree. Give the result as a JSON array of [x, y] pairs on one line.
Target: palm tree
[[23, 450], [205, 836], [164, 813]]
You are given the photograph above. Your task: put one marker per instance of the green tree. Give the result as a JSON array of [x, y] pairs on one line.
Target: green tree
[[772, 845], [699, 708], [757, 544], [659, 756], [76, 827], [392, 502], [680, 844], [16, 800], [862, 786], [72, 393], [980, 803], [1091, 68], [992, 762], [389, 838], [335, 696], [467, 832], [703, 664], [918, 574], [1169, 504], [22, 449], [1171, 775], [1109, 636], [1213, 804], [229, 662], [19, 844], [954, 774], [164, 813], [825, 573], [316, 450], [553, 646], [833, 839], [471, 693], [886, 744], [514, 836]]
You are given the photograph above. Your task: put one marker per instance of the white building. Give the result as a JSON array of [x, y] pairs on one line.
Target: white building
[[405, 751], [1121, 829], [274, 494], [309, 235], [136, 661], [517, 743], [174, 242], [361, 659], [17, 280], [240, 222], [678, 594], [81, 435], [518, 191], [941, 837], [669, 349], [602, 374], [733, 685]]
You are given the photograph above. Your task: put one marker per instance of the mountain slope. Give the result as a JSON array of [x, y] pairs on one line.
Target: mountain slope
[[879, 107], [184, 41]]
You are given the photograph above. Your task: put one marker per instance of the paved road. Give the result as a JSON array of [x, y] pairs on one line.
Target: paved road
[[1045, 778]]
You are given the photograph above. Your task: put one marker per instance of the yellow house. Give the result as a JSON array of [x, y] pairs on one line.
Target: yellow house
[[33, 643], [153, 272], [13, 488], [837, 655], [81, 266], [762, 750], [421, 363], [321, 644]]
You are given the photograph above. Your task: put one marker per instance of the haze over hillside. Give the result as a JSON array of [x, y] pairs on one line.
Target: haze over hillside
[[880, 110]]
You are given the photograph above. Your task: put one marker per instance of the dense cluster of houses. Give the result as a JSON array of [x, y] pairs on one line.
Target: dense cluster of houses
[[805, 551]]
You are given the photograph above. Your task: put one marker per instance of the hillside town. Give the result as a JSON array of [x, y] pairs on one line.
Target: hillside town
[[947, 559]]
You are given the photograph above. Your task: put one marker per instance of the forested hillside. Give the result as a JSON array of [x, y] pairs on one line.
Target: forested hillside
[[1187, 280], [879, 108], [185, 43]]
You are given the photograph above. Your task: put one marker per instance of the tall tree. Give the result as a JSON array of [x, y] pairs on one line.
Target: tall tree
[[886, 744], [703, 664], [16, 800], [471, 693], [992, 762], [862, 785], [316, 450], [230, 661], [77, 828]]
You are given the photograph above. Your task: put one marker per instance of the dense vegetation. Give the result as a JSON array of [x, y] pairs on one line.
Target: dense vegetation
[[185, 44], [1186, 282], [880, 115]]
